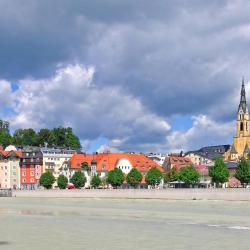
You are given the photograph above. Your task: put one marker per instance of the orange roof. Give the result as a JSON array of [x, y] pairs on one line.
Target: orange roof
[[6, 153], [108, 161]]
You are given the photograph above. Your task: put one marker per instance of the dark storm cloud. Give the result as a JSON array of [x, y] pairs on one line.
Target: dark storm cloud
[[174, 57]]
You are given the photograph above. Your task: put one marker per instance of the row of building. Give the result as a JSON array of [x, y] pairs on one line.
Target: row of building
[[22, 167]]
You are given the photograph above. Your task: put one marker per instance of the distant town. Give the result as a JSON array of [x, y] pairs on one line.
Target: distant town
[[53, 159]]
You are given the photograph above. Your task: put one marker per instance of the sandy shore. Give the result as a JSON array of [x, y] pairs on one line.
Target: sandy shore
[[170, 194]]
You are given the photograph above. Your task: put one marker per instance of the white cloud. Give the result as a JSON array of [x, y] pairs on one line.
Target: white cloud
[[204, 132], [70, 98]]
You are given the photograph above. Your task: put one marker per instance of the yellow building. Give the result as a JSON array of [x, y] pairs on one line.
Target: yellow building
[[54, 159], [241, 141]]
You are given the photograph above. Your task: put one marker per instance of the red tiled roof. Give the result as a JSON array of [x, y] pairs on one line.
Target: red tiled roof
[[179, 161], [108, 161]]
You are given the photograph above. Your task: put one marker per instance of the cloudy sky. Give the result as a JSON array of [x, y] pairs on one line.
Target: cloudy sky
[[134, 75]]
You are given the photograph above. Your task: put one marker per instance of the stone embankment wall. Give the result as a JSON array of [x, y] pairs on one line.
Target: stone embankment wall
[[171, 194], [5, 192]]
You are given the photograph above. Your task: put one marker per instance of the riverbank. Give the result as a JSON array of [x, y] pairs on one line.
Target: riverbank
[[168, 194]]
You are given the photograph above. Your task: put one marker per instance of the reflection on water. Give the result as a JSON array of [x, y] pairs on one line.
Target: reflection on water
[[122, 224], [4, 243]]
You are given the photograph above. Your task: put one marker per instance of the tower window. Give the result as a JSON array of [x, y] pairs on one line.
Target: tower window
[[241, 126]]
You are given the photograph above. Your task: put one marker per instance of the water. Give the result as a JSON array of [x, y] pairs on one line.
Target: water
[[40, 223]]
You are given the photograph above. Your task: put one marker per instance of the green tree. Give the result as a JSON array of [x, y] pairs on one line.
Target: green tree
[[43, 136], [62, 181], [95, 181], [78, 179], [71, 139], [115, 177], [189, 175], [134, 177], [171, 175], [64, 137], [243, 172], [47, 179], [248, 155], [219, 173], [5, 138], [25, 137], [153, 177]]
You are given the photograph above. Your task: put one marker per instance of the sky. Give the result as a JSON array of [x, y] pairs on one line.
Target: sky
[[134, 75]]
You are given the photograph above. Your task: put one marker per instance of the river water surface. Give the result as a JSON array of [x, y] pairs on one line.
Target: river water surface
[[41, 223]]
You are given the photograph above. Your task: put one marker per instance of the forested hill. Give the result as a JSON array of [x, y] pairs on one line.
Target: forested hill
[[53, 137]]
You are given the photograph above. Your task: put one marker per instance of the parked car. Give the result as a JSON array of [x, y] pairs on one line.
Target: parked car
[[70, 186]]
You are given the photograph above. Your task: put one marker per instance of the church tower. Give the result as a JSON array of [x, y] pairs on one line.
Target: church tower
[[241, 141], [243, 115]]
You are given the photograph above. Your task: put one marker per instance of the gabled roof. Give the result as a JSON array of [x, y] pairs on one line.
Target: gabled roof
[[178, 161], [7, 154]]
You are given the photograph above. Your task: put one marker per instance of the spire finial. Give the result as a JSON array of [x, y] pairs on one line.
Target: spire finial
[[243, 80]]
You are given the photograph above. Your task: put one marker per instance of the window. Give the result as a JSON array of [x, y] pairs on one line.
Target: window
[[6, 174], [24, 180], [31, 173], [241, 126], [5, 167], [14, 167], [24, 173], [31, 180], [27, 154], [14, 180], [14, 173]]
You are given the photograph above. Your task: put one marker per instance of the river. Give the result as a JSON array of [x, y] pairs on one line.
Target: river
[[78, 223]]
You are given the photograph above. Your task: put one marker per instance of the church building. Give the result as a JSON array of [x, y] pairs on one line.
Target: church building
[[241, 141]]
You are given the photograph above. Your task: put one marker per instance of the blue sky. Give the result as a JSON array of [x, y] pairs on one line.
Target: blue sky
[[127, 75]]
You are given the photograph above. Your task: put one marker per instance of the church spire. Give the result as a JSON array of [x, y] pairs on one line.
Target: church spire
[[243, 102]]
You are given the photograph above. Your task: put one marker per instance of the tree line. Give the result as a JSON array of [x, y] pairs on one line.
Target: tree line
[[29, 137], [115, 178]]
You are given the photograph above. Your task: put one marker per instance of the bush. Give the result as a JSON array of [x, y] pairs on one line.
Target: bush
[[134, 177], [95, 181], [78, 179], [153, 176], [62, 181], [47, 180], [115, 177]]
